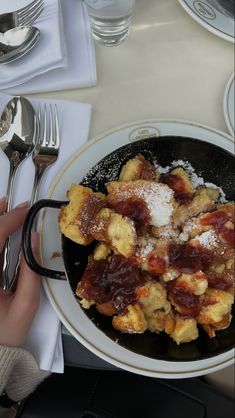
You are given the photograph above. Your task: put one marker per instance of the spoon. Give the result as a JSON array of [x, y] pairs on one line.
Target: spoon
[[16, 42], [17, 140]]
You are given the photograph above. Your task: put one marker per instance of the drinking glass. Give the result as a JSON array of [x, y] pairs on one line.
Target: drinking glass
[[110, 20]]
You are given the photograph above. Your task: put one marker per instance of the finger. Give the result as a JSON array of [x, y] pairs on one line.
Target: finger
[[11, 221], [3, 205], [28, 281], [27, 295], [5, 293]]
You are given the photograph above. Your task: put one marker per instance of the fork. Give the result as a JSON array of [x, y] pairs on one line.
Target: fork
[[46, 150], [45, 153], [21, 17]]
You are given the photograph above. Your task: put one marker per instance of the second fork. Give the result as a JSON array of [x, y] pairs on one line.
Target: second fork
[[47, 149], [21, 17]]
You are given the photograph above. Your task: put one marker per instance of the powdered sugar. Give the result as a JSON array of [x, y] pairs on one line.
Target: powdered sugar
[[208, 239], [183, 237], [146, 249], [167, 232], [196, 179], [162, 170], [190, 225], [158, 198]]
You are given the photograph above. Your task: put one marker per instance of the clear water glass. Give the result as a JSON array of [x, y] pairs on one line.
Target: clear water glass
[[110, 20]]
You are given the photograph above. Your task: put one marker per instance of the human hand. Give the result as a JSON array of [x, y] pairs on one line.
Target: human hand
[[17, 309]]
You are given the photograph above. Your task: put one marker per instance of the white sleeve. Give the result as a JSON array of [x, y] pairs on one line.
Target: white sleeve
[[19, 372]]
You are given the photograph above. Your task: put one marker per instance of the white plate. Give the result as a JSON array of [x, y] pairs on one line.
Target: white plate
[[212, 15], [59, 292], [229, 105]]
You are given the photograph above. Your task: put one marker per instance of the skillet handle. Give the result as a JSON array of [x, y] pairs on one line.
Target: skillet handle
[[26, 238]]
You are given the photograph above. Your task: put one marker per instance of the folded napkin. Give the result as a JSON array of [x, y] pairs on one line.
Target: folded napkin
[[81, 63], [44, 338], [49, 52]]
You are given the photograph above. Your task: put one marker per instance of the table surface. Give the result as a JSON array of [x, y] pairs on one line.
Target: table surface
[[169, 67]]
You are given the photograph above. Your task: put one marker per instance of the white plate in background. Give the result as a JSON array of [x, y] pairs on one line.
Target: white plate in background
[[60, 293], [212, 16], [228, 105]]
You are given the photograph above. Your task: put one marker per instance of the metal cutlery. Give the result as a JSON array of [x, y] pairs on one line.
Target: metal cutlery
[[17, 42], [22, 132], [17, 139], [21, 17], [46, 151]]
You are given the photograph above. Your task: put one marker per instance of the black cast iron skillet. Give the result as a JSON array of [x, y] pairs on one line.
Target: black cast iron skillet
[[211, 162]]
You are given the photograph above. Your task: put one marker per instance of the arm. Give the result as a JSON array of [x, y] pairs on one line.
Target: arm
[[19, 372]]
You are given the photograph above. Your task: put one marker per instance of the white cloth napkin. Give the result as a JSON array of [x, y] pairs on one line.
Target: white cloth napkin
[[49, 52], [44, 338], [81, 62]]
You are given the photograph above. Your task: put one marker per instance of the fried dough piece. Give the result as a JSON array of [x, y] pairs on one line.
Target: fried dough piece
[[188, 186], [212, 241], [186, 291], [212, 193], [221, 275], [229, 208], [203, 200], [132, 322], [157, 200], [151, 297], [161, 321], [75, 218], [216, 304], [153, 301], [182, 297], [223, 324], [106, 308], [167, 232], [193, 227], [197, 225], [138, 168], [185, 330], [179, 181], [151, 254], [117, 231], [195, 283], [170, 274], [83, 300], [101, 251]]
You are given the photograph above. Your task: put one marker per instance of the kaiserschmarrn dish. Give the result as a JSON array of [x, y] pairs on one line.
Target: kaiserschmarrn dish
[[164, 254]]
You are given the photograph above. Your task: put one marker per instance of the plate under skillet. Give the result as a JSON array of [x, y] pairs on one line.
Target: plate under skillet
[[217, 16], [229, 105], [216, 166]]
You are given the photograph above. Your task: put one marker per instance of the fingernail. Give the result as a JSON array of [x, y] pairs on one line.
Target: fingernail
[[23, 204]]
